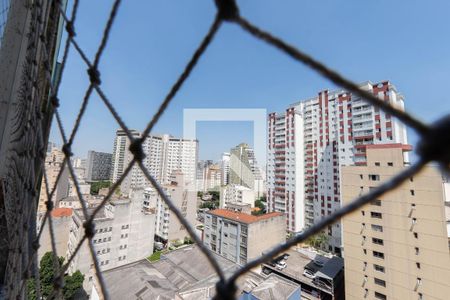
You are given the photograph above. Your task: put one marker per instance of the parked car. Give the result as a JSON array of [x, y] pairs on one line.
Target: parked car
[[281, 265], [309, 274]]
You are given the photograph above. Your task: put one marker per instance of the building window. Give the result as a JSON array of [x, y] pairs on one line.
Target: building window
[[361, 176], [376, 202], [374, 177], [380, 282], [377, 164], [390, 164], [418, 265], [412, 192], [420, 296], [376, 215], [380, 296], [417, 250], [378, 254], [378, 268], [365, 251], [377, 241], [362, 212], [416, 235]]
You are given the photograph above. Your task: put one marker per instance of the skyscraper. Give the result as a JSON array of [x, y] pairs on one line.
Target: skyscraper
[[98, 166], [395, 247], [163, 155], [121, 156], [310, 142], [225, 167]]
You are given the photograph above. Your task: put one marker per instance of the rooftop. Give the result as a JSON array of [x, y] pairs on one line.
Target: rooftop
[[61, 212], [297, 261], [242, 217], [184, 273]]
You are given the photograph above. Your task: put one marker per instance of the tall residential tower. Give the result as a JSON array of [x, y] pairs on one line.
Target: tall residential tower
[[313, 139]]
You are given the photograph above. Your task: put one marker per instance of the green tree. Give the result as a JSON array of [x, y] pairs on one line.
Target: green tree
[[215, 195], [72, 283], [318, 240], [96, 186], [259, 203]]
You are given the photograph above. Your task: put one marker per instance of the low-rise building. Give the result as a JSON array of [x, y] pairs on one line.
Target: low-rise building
[[234, 193], [124, 233], [185, 274], [242, 237], [61, 218], [321, 276]]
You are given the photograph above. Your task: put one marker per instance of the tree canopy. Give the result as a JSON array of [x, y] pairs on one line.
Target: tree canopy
[[72, 283]]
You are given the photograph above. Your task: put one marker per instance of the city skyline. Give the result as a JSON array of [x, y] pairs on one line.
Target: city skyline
[[256, 76]]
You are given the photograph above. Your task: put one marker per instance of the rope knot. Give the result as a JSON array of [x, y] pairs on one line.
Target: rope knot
[[136, 149], [435, 144], [49, 205], [227, 9], [225, 290], [70, 30], [66, 149], [55, 101], [35, 245], [94, 76], [89, 229]]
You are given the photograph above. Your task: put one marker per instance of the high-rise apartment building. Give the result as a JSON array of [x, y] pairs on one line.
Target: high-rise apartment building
[[244, 170], [209, 176], [395, 247], [98, 166], [164, 154], [225, 167], [313, 139], [183, 196], [242, 237], [124, 233], [121, 156]]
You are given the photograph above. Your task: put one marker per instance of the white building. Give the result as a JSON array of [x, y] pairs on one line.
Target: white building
[[233, 194], [310, 142], [163, 155], [124, 233], [225, 167], [121, 156], [209, 176], [184, 197]]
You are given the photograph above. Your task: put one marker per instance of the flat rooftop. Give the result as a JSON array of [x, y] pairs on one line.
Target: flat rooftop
[[298, 261], [242, 217], [185, 273]]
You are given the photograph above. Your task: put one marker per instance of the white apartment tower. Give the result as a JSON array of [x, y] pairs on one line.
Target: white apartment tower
[[121, 155], [163, 155], [225, 167], [310, 142]]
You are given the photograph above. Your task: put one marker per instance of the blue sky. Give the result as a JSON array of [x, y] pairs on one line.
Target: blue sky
[[406, 42]]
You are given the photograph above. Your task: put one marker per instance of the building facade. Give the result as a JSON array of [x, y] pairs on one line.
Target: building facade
[[98, 166], [164, 154], [53, 164], [395, 247], [183, 196], [236, 194], [225, 167], [124, 233], [312, 140], [242, 237], [121, 156]]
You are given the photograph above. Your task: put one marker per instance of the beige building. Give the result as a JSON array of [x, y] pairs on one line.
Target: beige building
[[242, 237], [396, 247], [61, 218], [52, 165], [184, 197]]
